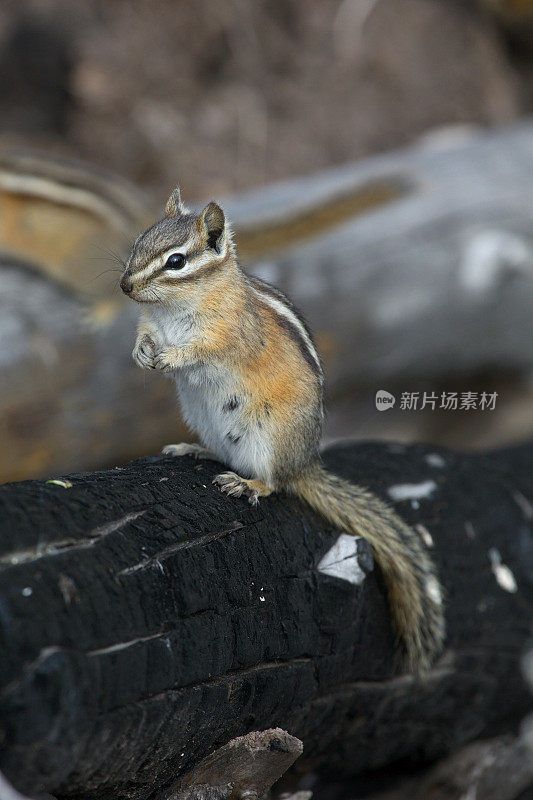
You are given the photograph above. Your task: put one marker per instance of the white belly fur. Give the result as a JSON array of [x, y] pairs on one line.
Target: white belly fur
[[203, 391], [203, 395]]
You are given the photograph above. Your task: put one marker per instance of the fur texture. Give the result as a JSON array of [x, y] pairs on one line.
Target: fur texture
[[250, 384]]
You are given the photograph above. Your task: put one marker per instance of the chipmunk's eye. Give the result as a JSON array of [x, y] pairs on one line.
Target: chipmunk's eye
[[175, 261]]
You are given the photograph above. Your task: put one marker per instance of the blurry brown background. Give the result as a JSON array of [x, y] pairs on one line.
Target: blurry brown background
[[234, 93], [225, 96]]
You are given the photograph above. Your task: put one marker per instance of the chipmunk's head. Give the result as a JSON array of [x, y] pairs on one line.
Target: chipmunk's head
[[178, 256]]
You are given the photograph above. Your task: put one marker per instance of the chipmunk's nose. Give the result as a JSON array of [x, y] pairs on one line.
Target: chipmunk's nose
[[126, 283]]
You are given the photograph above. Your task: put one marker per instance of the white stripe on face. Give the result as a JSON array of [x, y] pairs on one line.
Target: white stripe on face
[[203, 258], [280, 308]]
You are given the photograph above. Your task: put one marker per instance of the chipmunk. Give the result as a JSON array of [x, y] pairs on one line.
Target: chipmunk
[[250, 383]]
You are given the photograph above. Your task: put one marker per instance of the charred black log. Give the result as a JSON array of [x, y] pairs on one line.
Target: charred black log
[[146, 619]]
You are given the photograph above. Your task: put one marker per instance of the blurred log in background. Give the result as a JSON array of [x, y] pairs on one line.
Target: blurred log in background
[[414, 268]]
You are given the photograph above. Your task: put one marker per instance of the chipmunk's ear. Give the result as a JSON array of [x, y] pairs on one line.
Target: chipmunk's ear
[[211, 225], [174, 206]]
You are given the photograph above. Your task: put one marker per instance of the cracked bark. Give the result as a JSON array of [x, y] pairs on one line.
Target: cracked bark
[[146, 620]]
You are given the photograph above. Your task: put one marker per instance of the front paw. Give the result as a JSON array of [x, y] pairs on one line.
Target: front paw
[[144, 352], [167, 359]]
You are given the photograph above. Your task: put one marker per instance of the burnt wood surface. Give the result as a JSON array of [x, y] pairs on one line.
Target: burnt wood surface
[[146, 619]]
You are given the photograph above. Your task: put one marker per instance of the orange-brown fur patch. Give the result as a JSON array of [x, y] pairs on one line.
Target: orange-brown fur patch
[[277, 377]]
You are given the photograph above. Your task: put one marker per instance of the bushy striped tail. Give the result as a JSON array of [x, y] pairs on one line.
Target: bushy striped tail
[[414, 590]]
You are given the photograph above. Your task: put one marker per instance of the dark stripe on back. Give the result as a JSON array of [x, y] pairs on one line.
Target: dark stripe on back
[[298, 339], [277, 294]]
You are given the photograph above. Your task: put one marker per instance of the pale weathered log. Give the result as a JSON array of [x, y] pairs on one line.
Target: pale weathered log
[[437, 279], [70, 393], [415, 264]]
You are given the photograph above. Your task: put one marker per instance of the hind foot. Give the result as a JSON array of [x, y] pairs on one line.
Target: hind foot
[[230, 483], [186, 449]]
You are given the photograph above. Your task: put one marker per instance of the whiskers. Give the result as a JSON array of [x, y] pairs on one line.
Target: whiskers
[[113, 257], [151, 294]]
